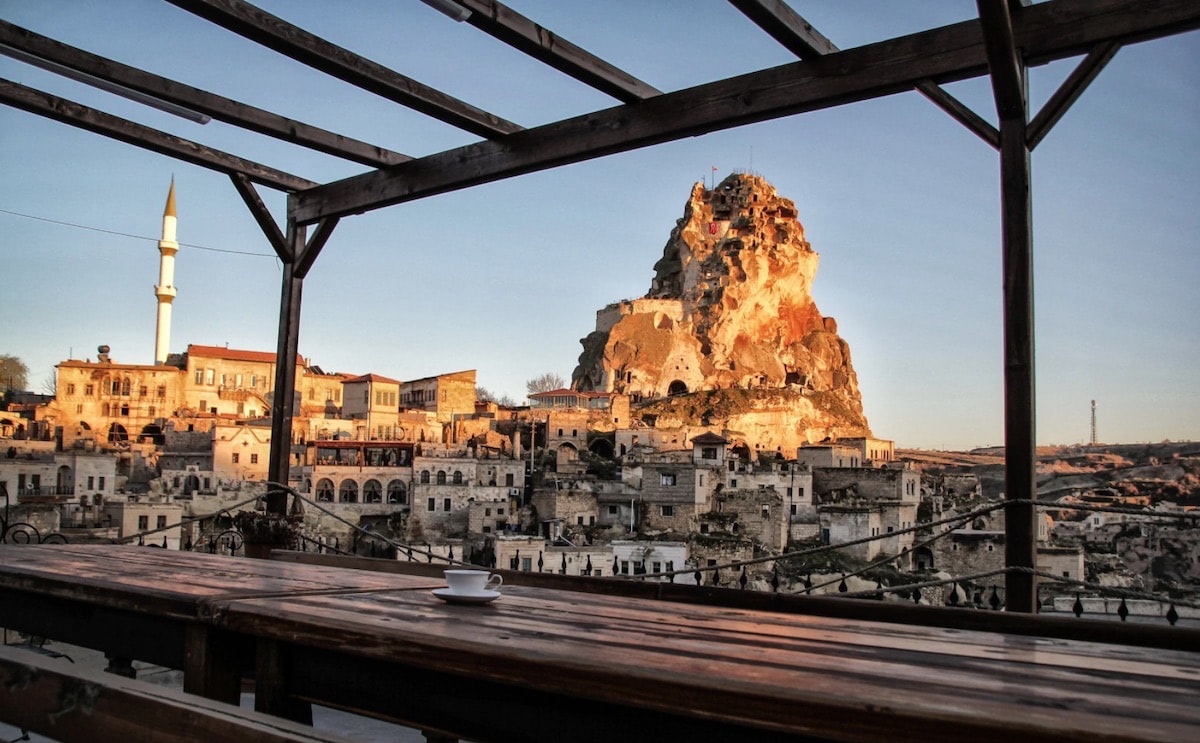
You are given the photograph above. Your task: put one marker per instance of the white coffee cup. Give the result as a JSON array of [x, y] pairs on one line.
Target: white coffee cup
[[472, 581]]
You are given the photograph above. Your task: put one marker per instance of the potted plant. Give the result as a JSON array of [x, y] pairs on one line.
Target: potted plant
[[262, 531]]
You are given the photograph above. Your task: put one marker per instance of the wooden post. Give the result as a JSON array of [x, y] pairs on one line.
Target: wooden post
[[285, 371], [1010, 86]]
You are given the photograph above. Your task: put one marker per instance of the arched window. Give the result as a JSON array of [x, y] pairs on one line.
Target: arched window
[[425, 476], [396, 493], [348, 492], [125, 387], [441, 477], [372, 492], [458, 478], [325, 490], [104, 410]]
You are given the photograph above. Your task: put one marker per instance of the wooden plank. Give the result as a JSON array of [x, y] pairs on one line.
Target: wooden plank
[[519, 32], [747, 676], [212, 663], [69, 704], [218, 107], [261, 215], [98, 122], [902, 612], [275, 33], [1070, 90], [1046, 31], [960, 113], [786, 26]]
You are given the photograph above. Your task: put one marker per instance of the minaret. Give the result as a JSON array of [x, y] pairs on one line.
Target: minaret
[[165, 291]]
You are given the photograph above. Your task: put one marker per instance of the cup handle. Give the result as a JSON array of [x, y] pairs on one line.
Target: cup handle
[[494, 581]]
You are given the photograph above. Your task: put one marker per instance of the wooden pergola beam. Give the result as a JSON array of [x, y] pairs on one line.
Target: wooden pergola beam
[[292, 41], [800, 37], [1047, 31], [218, 107], [114, 127], [787, 27], [1070, 90], [521, 33]]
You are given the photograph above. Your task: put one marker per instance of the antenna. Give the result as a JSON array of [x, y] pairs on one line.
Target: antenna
[[1093, 422]]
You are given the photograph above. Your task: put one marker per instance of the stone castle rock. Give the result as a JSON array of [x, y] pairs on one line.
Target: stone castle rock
[[728, 333]]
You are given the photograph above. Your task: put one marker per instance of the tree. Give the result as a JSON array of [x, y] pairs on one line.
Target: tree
[[483, 394], [14, 375], [545, 383], [50, 384]]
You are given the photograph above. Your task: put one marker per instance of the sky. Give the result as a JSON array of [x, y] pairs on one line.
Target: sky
[[900, 201]]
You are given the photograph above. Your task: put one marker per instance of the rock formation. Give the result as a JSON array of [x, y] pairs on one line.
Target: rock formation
[[729, 327]]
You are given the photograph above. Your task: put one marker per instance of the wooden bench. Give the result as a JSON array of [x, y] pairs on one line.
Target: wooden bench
[[57, 699]]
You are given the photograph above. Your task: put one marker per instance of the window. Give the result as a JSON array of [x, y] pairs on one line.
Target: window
[[88, 390], [253, 380], [487, 512], [446, 505], [499, 511], [624, 567], [733, 483], [70, 389], [143, 523], [708, 452], [527, 564], [199, 376], [161, 522], [425, 478], [458, 477], [143, 390], [236, 457], [667, 478], [613, 510], [237, 381], [441, 477], [793, 509], [656, 567], [372, 492], [203, 405], [325, 490], [253, 459], [91, 482], [116, 387], [79, 409], [151, 411], [508, 480], [766, 512], [703, 528], [432, 505], [348, 492], [396, 492], [209, 376], [579, 521], [100, 481], [667, 510]]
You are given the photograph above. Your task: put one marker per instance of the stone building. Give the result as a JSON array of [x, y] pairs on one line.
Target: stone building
[[373, 403], [445, 395], [858, 502], [240, 452]]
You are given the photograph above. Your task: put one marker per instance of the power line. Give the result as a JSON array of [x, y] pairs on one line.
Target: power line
[[135, 237]]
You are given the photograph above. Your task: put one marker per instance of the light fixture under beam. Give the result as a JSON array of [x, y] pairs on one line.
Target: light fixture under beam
[[105, 85]]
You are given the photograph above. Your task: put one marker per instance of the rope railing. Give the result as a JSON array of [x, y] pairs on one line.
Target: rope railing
[[696, 573]]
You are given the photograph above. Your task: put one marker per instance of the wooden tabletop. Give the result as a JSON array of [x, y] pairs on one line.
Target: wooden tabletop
[[543, 663], [775, 672], [170, 583]]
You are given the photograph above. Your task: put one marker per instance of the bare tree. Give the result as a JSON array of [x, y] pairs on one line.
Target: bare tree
[[50, 383], [545, 383], [14, 375]]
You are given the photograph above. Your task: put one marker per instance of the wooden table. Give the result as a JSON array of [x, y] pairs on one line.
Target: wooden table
[[154, 605], [547, 664]]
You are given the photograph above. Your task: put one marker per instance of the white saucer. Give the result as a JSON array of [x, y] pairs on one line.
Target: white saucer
[[482, 597]]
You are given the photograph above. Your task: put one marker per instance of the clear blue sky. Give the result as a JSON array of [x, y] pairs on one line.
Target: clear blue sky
[[900, 201]]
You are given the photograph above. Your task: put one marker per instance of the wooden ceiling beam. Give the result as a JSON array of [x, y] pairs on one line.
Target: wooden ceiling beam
[[521, 33], [114, 127], [1070, 90], [787, 27], [218, 107], [800, 37], [1045, 32], [292, 41]]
